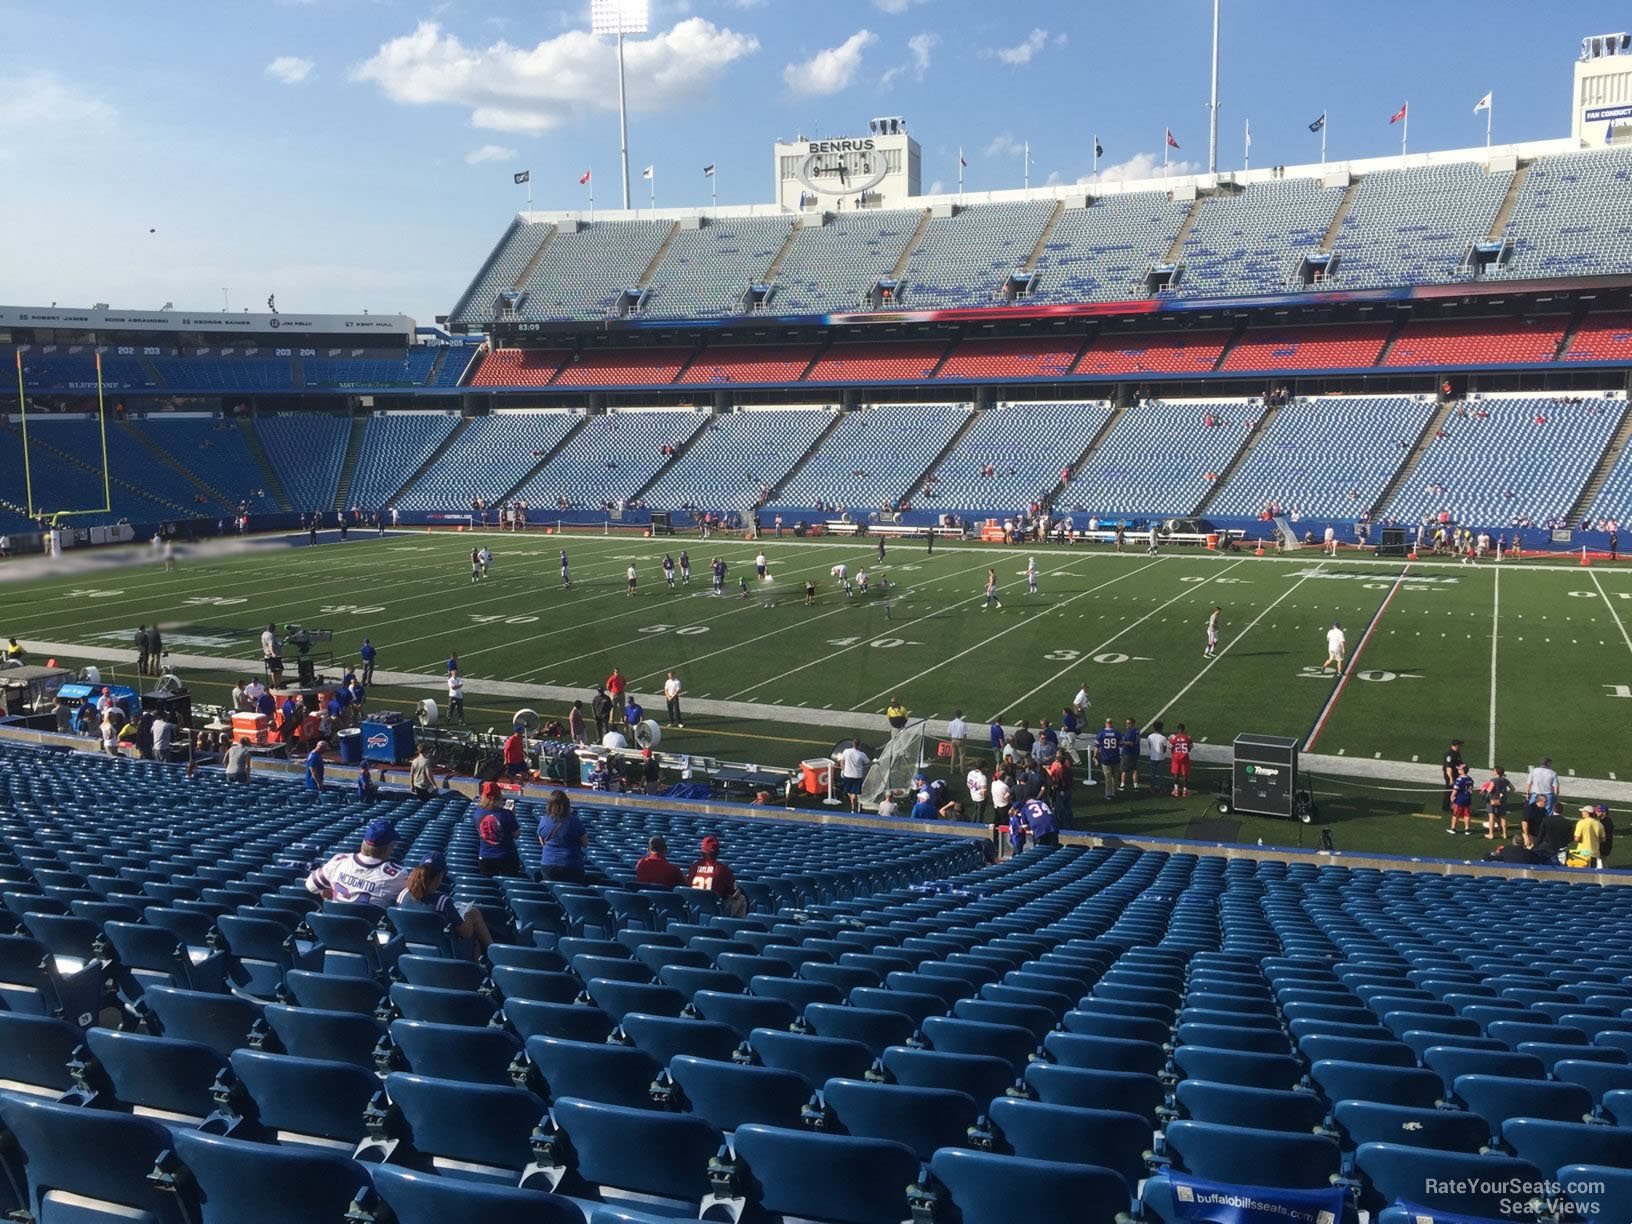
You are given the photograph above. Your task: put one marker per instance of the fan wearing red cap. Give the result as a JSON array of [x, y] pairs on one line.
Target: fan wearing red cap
[[714, 876], [496, 831]]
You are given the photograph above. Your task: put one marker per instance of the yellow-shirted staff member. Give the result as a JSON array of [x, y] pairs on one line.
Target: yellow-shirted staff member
[[896, 713], [15, 652]]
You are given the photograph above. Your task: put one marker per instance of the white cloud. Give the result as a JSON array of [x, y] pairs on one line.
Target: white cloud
[[534, 89], [829, 70], [43, 100], [935, 188], [488, 153], [897, 6], [1005, 145], [290, 69], [1052, 179], [920, 52], [1139, 166], [1026, 50]]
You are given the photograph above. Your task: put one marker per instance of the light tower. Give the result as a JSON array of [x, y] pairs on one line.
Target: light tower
[[620, 17]]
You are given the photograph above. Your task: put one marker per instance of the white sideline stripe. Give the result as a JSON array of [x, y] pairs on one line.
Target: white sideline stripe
[[1495, 626], [1354, 662], [1233, 642], [1076, 663]]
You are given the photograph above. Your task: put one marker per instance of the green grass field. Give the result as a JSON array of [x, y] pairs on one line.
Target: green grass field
[[1520, 661]]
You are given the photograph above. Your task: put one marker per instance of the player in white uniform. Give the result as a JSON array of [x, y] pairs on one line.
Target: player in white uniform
[[1212, 633], [1335, 642], [1031, 574], [366, 876]]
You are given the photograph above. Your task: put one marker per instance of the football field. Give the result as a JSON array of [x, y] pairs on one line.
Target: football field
[[1520, 660]]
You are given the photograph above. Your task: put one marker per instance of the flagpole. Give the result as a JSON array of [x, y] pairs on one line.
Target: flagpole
[[652, 179], [1096, 152], [1405, 126], [960, 172], [714, 189], [1028, 165], [1246, 156], [1165, 135], [1490, 113], [1325, 122], [1212, 134]]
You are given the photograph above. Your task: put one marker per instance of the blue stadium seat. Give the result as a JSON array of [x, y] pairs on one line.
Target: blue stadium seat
[[980, 1076], [610, 1074], [1449, 1062], [1107, 1053], [836, 1179], [441, 972], [617, 999], [476, 1132], [664, 1037], [1451, 1182], [433, 1005], [923, 1118], [412, 1197], [1249, 1070], [1497, 1098], [636, 1151], [333, 992], [454, 1051], [1124, 1090], [816, 1058], [985, 1188], [875, 1029], [541, 984], [30, 983], [1006, 1041], [301, 1099], [796, 992], [743, 1013], [164, 1075], [1040, 1020], [34, 1054], [1447, 1130], [330, 1036], [1274, 1157], [98, 1155], [730, 1094], [1129, 1028], [1339, 1080], [1607, 1189], [531, 1018], [221, 1021], [1264, 1108], [236, 1182], [1117, 1140], [1550, 1145]]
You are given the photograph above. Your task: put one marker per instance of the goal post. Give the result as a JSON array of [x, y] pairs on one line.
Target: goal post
[[28, 467]]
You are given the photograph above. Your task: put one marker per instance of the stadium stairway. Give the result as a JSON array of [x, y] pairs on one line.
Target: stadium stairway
[[1043, 238], [1414, 459], [645, 281], [1394, 334], [533, 260], [821, 441], [1600, 473], [1175, 252], [952, 444], [434, 457], [348, 469], [1335, 227], [678, 451], [1254, 435], [1578, 318], [1510, 201], [900, 269], [151, 371], [782, 254], [1103, 432], [263, 463], [160, 455], [1236, 336], [566, 440], [297, 370]]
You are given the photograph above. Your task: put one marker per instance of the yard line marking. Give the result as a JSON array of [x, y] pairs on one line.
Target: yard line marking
[[1077, 663], [1605, 597], [915, 620], [1213, 662], [1354, 662], [1495, 624], [1018, 625], [838, 611]]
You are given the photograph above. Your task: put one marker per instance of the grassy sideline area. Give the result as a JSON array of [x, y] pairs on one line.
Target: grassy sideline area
[[1519, 661]]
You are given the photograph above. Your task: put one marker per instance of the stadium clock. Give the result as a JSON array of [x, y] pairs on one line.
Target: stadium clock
[[842, 167]]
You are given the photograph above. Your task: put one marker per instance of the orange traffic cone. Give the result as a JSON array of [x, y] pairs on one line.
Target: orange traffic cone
[[1412, 555], [1259, 551], [1585, 560]]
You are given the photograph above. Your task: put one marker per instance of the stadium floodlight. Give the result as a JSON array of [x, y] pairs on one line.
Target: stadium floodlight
[[620, 17]]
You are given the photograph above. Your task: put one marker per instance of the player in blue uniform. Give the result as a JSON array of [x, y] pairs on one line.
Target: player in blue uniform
[[566, 578], [1462, 801], [1108, 747]]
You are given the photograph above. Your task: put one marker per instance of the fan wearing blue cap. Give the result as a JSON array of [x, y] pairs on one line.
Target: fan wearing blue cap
[[426, 890], [368, 876]]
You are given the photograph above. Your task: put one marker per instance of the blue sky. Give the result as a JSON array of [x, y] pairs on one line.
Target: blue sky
[[351, 154]]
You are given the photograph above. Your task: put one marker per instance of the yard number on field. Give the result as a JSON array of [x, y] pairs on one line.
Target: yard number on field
[[682, 631], [885, 643], [349, 609], [501, 619], [1375, 675], [1104, 656]]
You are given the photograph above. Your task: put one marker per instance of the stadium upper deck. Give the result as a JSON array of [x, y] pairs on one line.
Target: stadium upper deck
[[1380, 228]]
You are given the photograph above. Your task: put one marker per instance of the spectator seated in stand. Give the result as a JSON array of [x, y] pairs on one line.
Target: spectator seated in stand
[[714, 876], [464, 921], [655, 867]]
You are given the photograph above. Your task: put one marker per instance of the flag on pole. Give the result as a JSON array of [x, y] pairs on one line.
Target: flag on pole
[[583, 178], [708, 170], [961, 160], [1171, 143], [522, 176], [1099, 149], [1609, 132], [646, 173], [1249, 135], [1318, 124], [1484, 103], [1400, 114]]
